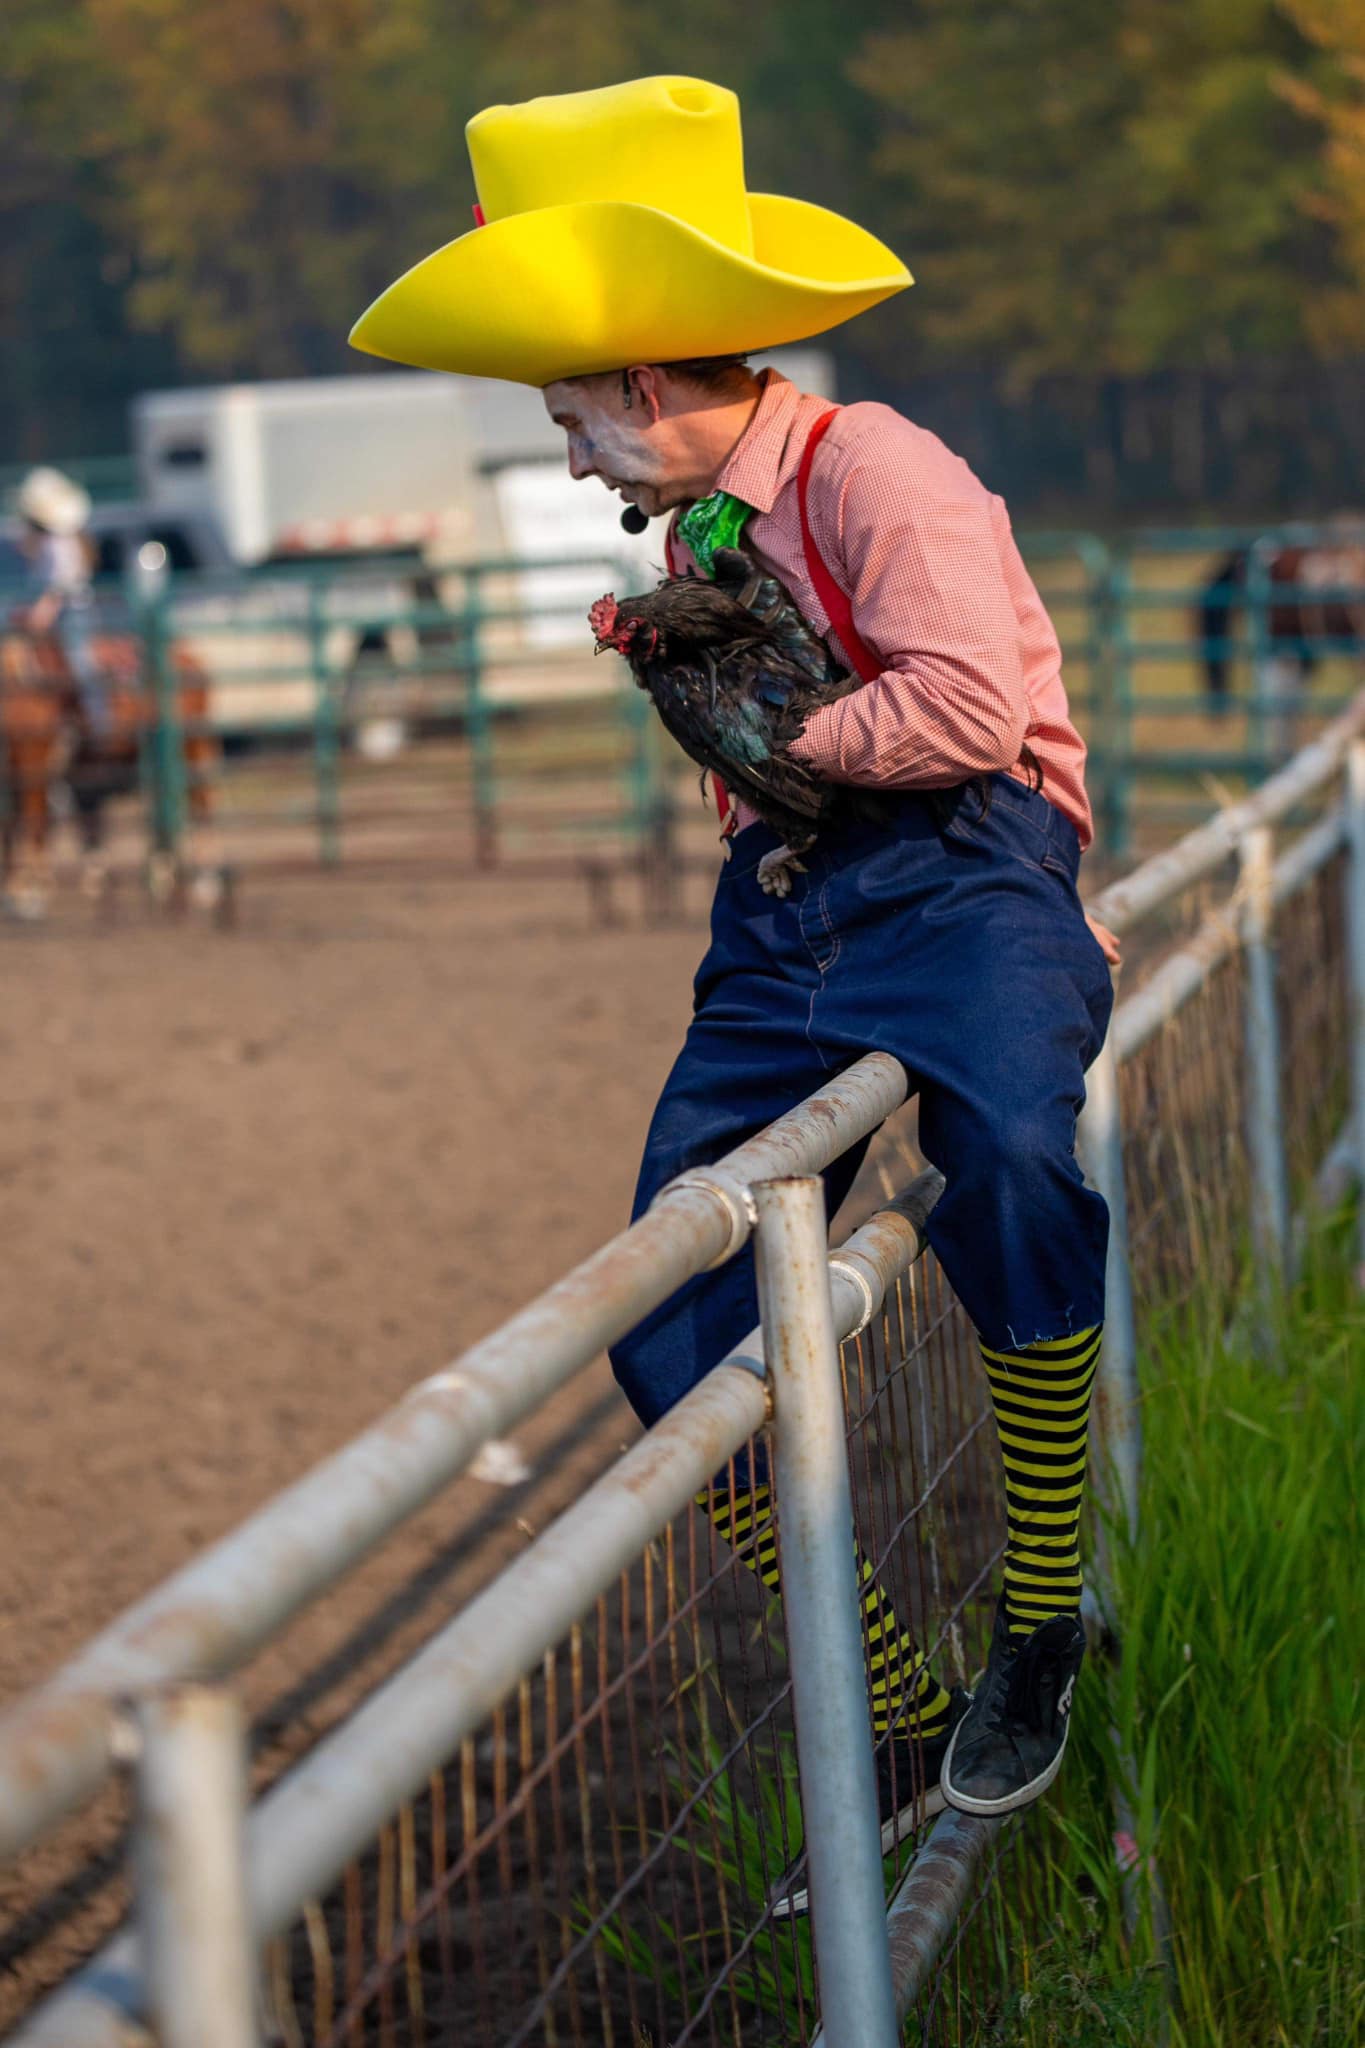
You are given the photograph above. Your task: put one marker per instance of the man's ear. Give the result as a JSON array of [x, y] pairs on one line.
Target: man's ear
[[646, 389]]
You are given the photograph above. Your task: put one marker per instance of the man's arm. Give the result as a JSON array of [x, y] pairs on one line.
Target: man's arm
[[911, 535]]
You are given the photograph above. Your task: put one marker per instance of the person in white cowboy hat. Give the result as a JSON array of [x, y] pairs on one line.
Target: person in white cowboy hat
[[55, 510], [619, 263]]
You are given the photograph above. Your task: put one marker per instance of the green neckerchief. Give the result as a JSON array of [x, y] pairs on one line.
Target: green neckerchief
[[714, 522]]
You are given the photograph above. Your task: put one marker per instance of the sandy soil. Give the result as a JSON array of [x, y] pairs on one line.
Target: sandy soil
[[253, 1184]]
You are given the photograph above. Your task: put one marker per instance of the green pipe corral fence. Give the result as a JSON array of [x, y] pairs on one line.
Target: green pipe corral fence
[[399, 710]]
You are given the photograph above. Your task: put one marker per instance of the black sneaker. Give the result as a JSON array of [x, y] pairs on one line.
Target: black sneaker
[[908, 1791], [1008, 1748]]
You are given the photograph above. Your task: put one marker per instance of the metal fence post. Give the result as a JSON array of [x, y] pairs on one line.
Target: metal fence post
[[824, 1631], [1118, 1420], [326, 731], [166, 754], [1355, 957], [653, 813], [1265, 1134], [1112, 664], [480, 725], [1117, 1394], [1265, 674], [189, 1858]]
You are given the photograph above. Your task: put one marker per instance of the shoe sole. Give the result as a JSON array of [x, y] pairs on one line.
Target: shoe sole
[[895, 1833], [964, 1802]]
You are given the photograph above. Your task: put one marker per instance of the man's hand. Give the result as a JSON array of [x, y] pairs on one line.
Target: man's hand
[[1109, 945]]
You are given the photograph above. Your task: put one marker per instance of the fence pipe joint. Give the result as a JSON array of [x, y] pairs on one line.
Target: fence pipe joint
[[733, 1196]]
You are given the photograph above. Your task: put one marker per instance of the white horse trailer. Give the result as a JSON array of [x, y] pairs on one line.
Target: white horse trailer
[[312, 466]]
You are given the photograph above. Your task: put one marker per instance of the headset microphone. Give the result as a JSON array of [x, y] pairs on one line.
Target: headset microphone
[[633, 520]]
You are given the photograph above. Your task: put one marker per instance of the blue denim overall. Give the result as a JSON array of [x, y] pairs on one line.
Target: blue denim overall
[[951, 936]]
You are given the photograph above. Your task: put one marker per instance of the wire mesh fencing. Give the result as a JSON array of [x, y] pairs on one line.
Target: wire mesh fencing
[[1185, 1101], [618, 1856], [1184, 1119]]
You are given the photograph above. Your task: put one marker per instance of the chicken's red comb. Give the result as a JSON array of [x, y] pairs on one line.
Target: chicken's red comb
[[602, 617]]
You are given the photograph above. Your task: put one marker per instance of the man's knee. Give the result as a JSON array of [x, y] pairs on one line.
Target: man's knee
[[662, 1160], [1013, 1144]]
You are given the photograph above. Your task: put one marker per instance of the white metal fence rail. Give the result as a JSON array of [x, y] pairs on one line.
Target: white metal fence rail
[[204, 1901]]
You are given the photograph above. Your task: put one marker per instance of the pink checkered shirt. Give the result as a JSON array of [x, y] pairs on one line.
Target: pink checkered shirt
[[972, 669]]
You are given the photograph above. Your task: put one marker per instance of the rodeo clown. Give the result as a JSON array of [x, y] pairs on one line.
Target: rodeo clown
[[619, 264]]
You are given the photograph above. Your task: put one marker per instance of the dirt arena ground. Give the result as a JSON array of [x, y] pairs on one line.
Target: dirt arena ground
[[253, 1184]]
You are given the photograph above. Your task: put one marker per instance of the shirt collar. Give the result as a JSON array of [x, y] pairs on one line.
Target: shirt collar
[[753, 470]]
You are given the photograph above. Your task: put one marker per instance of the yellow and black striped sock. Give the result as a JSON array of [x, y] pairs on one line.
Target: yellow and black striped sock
[[1041, 1394], [744, 1520], [896, 1670]]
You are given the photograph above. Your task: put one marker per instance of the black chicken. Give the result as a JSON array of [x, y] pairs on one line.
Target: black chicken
[[734, 671]]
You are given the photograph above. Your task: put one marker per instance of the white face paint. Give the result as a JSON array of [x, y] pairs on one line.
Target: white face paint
[[608, 441]]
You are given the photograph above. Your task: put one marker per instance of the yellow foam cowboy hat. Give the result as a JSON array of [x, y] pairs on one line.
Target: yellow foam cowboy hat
[[615, 228]]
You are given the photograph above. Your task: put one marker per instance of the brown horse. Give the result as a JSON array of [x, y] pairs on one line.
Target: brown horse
[[46, 739]]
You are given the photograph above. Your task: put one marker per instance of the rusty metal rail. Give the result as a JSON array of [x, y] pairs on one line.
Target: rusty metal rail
[[927, 1902]]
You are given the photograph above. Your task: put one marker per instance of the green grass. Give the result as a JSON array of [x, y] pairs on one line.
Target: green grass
[[1241, 1697], [731, 1846]]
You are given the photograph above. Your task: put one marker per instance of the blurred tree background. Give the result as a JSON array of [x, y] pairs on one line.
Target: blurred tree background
[[1138, 229]]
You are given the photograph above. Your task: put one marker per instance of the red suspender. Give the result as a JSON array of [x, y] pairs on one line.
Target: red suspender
[[835, 600]]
